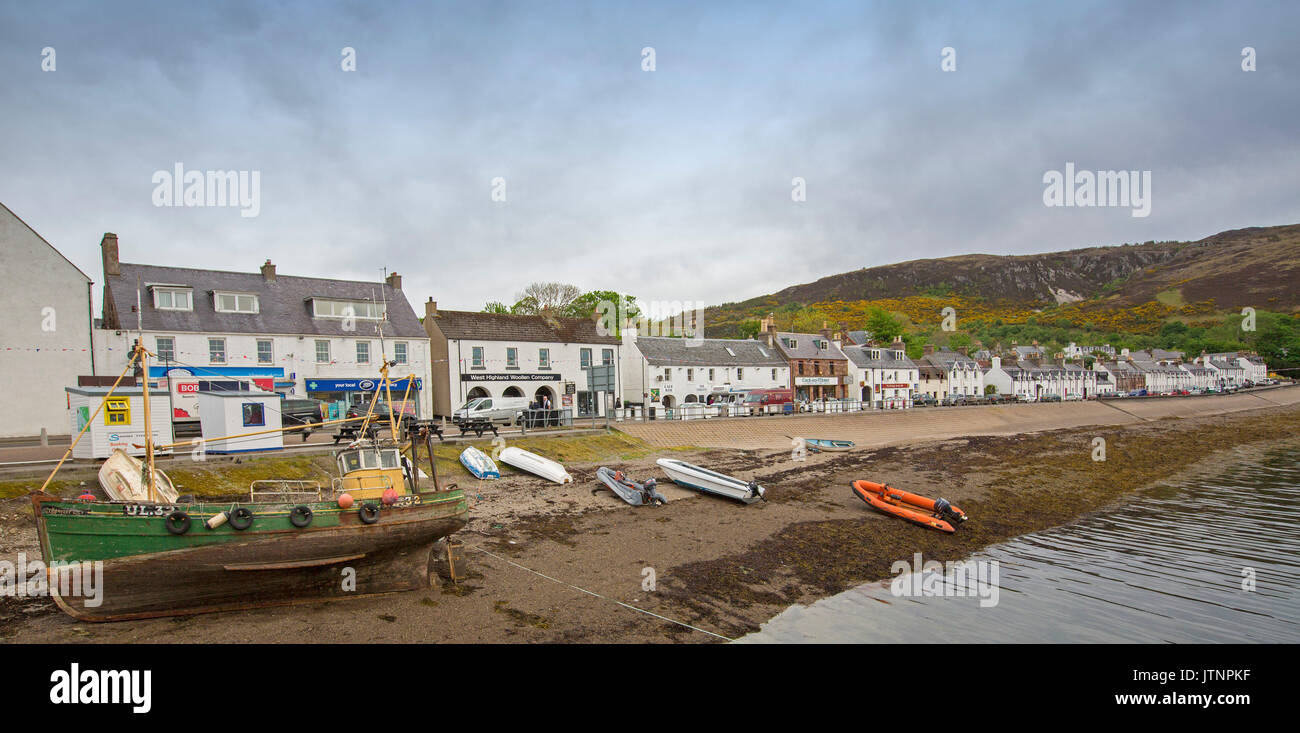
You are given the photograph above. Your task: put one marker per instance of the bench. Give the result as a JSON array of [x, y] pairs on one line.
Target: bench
[[478, 427], [351, 433], [414, 427]]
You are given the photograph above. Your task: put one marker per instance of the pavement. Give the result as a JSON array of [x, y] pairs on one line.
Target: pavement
[[877, 428]]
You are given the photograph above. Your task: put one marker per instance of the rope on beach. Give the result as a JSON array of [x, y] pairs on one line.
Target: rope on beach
[[593, 593]]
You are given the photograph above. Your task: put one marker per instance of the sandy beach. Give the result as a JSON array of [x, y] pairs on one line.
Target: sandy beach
[[566, 563]]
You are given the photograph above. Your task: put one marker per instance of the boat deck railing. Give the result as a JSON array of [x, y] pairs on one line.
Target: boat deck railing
[[341, 484], [284, 490]]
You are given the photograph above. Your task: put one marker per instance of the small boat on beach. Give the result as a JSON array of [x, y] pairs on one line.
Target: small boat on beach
[[827, 444], [479, 464], [533, 463], [710, 482], [122, 477], [934, 513], [633, 492]]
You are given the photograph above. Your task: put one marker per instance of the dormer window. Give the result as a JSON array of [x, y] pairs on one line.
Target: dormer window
[[363, 309], [172, 299], [234, 302]]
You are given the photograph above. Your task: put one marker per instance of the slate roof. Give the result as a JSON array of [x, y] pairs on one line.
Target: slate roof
[[476, 326], [710, 352], [283, 304], [806, 348], [861, 356], [859, 337], [946, 359]]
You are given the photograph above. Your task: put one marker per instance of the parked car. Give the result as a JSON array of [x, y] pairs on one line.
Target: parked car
[[1050, 398], [302, 411], [1074, 397], [925, 400], [1137, 393], [490, 409]]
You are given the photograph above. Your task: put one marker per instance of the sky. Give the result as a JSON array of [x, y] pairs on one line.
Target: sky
[[672, 183]]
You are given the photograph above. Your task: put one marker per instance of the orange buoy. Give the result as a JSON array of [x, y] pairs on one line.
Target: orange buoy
[[345, 501], [86, 497], [390, 496], [904, 505]]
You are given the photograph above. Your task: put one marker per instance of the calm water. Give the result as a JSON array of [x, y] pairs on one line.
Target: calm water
[[1166, 568]]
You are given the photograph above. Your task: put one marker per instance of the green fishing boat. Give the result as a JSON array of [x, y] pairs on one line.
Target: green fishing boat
[[154, 553]]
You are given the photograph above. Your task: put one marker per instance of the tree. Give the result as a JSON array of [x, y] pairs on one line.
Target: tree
[[883, 325], [555, 297], [496, 307], [601, 300], [749, 328]]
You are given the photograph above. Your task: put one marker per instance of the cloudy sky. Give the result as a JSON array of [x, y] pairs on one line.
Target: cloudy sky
[[670, 184]]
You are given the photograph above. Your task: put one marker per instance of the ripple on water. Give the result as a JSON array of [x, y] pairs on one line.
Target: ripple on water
[[1167, 567]]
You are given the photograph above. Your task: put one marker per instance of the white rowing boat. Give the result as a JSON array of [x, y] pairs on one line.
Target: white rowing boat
[[533, 463], [122, 478], [710, 482]]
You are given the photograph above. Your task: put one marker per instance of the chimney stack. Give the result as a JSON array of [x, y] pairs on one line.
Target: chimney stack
[[108, 248], [394, 281], [928, 349], [268, 271], [431, 308]]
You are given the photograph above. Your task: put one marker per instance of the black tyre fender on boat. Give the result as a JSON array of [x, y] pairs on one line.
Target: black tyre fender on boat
[[300, 516], [241, 518], [178, 522], [369, 513]]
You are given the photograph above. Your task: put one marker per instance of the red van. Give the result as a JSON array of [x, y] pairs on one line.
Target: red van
[[759, 400]]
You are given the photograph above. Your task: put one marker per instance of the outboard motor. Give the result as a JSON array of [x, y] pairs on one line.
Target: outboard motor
[[942, 508], [753, 489]]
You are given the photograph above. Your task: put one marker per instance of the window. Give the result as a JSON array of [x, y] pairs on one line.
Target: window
[[740, 374], [322, 351], [235, 302], [606, 357], [668, 374], [729, 351], [773, 375], [254, 414], [217, 351], [363, 352], [791, 343], [347, 309], [585, 358], [710, 375], [166, 348], [117, 411], [690, 375], [544, 358], [399, 352], [172, 299], [264, 353], [512, 357], [476, 360]]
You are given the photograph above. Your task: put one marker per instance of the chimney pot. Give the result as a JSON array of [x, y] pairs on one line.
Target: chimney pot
[[268, 271], [394, 281], [431, 308], [108, 248]]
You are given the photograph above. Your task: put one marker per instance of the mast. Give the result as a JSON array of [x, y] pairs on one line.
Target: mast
[[143, 355], [383, 359]]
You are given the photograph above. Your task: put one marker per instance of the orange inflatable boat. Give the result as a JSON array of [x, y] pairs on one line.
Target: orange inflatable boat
[[934, 513]]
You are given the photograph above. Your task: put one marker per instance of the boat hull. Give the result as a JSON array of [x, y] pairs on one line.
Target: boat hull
[[904, 505], [709, 482], [535, 464], [630, 491], [337, 556], [477, 462]]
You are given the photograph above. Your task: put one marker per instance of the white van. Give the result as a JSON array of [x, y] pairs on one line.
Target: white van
[[495, 409]]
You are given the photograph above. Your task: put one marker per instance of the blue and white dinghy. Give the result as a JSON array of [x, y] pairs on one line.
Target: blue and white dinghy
[[479, 464], [710, 482]]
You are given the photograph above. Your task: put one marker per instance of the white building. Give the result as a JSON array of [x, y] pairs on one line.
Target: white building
[[884, 377], [308, 336], [45, 336], [506, 355], [961, 374], [672, 371]]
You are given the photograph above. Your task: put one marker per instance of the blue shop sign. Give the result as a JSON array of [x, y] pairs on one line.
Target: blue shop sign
[[156, 371], [356, 385]]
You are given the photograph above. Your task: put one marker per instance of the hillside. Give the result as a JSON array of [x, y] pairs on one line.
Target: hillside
[[1130, 288]]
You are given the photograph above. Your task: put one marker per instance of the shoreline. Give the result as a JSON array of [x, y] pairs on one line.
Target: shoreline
[[717, 565]]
